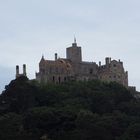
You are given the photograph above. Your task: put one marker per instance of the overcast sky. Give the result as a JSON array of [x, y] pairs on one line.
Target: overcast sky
[[30, 28]]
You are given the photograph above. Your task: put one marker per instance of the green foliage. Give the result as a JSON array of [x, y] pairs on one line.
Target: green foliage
[[51, 121], [10, 126], [19, 95], [91, 110]]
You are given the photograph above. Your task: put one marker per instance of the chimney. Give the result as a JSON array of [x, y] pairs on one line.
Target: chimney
[[17, 71], [55, 56], [107, 60], [24, 69], [99, 63], [110, 60]]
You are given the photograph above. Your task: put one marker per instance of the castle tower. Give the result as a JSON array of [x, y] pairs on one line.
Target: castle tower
[[74, 52]]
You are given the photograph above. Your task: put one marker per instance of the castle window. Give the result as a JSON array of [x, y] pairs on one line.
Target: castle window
[[42, 71], [114, 65], [91, 71], [110, 77], [114, 76], [53, 79], [65, 78]]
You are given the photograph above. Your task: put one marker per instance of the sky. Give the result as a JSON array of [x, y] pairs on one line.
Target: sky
[[103, 28]]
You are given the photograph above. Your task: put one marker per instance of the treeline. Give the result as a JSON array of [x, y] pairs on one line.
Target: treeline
[[91, 110]]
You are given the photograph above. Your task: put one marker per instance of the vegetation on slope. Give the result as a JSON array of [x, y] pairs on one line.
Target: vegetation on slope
[[74, 111]]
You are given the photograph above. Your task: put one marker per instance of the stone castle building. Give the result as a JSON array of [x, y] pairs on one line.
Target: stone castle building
[[72, 68]]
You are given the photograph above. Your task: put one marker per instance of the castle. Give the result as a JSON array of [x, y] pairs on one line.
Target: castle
[[72, 68]]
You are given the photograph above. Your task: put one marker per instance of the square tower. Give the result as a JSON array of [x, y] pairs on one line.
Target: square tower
[[74, 53]]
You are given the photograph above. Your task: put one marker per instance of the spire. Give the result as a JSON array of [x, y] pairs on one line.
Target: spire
[[42, 56], [42, 59], [75, 43], [74, 39]]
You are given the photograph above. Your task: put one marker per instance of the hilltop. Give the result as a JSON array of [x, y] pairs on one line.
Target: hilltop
[[92, 110]]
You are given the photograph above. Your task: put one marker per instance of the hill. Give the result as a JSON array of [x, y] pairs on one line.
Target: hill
[[91, 110]]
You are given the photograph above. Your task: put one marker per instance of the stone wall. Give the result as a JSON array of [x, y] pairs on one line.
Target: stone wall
[[73, 68]]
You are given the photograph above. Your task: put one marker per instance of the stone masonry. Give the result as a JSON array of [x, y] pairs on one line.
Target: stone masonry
[[72, 68]]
